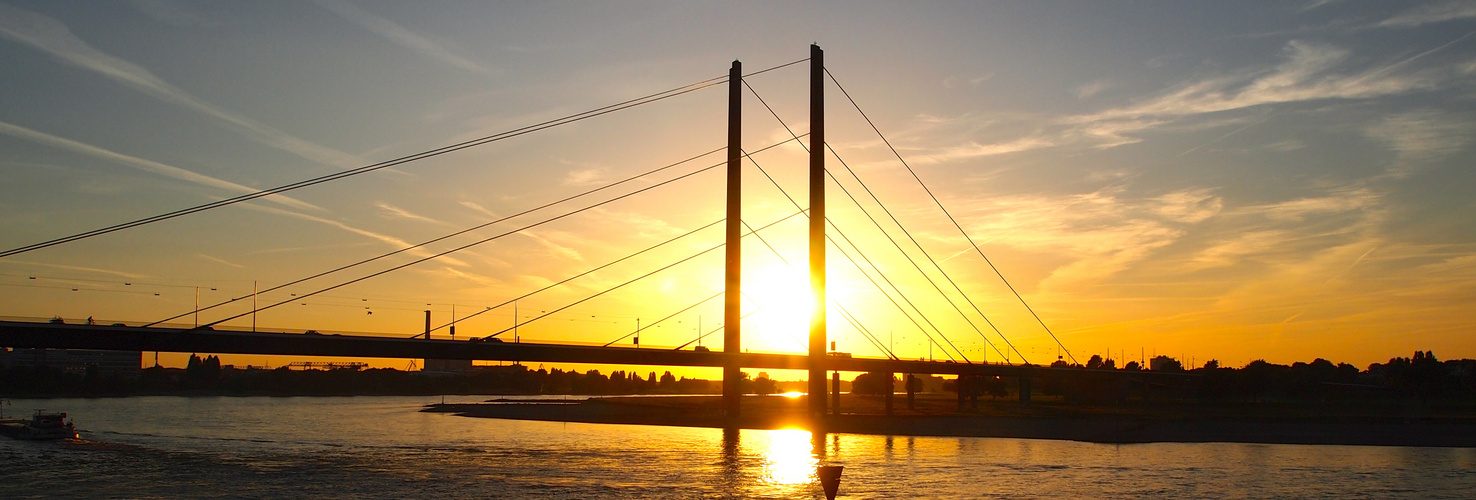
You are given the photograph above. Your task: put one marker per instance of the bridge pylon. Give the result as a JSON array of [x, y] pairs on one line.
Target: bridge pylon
[[733, 271], [817, 232]]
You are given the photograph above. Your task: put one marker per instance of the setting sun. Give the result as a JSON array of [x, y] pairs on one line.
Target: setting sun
[[781, 297]]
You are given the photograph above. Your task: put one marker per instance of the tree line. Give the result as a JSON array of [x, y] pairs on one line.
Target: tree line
[[206, 376]]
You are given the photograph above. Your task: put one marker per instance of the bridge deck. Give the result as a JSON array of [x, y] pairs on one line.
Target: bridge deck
[[125, 338]]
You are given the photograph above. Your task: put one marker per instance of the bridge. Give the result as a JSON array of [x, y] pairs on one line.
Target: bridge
[[127, 338], [823, 233]]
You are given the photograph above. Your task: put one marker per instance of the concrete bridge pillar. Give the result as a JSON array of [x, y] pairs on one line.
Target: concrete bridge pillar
[[1024, 387], [835, 392], [962, 386], [911, 384], [891, 387]]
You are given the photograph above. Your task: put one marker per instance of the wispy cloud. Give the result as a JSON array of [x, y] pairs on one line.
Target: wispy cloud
[[142, 164], [1418, 137], [1084, 92], [392, 241], [635, 223], [1103, 233], [219, 260], [1231, 250], [557, 249], [171, 12], [1335, 201], [1314, 4], [53, 37], [585, 177], [1293, 230], [975, 150], [478, 208], [1188, 206], [1307, 72], [399, 35], [394, 211], [77, 268], [336, 246], [448, 272], [954, 82], [1286, 145], [1430, 14]]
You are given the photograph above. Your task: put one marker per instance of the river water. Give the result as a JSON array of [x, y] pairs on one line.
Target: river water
[[383, 447]]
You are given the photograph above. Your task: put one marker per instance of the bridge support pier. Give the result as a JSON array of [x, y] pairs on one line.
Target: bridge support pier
[[835, 393], [1024, 387], [962, 386], [976, 387], [891, 387], [911, 384]]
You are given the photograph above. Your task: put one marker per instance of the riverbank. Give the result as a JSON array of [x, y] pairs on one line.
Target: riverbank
[[939, 416]]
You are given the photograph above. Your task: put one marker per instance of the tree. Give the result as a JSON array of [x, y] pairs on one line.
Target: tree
[[1094, 363], [872, 383], [763, 385]]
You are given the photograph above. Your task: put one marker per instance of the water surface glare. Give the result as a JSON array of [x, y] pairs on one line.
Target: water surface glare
[[383, 447]]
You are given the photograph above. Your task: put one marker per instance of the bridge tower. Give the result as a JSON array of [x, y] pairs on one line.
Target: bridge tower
[[817, 232], [733, 272]]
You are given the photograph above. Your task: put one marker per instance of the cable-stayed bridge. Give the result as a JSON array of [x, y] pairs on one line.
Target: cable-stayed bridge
[[823, 235]]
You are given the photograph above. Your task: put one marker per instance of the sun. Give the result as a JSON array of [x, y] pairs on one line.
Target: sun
[[781, 302]]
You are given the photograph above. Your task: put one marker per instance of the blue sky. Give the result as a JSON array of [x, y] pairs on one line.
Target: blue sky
[[1236, 180]]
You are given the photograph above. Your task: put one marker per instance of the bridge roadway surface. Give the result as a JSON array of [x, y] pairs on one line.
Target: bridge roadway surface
[[126, 338]]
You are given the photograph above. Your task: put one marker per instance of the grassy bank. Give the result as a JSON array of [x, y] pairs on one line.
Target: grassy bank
[[934, 415]]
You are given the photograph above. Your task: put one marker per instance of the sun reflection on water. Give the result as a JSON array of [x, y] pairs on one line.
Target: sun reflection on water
[[787, 460]]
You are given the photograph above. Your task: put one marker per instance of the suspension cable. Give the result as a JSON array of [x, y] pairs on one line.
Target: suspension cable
[[434, 240], [889, 237], [646, 99], [637, 278], [485, 240], [373, 167], [917, 266], [765, 148], [950, 216], [475, 243], [894, 242], [669, 316], [577, 276], [883, 231], [837, 303], [858, 266], [710, 332]]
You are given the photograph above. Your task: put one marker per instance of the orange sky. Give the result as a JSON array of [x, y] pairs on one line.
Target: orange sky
[[1237, 182]]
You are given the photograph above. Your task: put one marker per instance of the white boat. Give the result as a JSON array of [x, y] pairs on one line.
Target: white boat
[[43, 425]]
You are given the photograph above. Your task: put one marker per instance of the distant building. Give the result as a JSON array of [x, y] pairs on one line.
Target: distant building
[[125, 363], [1164, 363], [447, 366]]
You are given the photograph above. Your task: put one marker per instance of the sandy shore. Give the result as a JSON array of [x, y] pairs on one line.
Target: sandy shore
[[937, 416]]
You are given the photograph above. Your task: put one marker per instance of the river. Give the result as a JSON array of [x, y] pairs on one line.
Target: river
[[383, 447]]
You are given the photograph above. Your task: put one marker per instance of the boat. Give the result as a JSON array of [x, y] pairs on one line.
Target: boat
[[43, 425]]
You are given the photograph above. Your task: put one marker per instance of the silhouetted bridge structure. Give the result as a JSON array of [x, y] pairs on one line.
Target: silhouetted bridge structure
[[128, 338], [732, 358]]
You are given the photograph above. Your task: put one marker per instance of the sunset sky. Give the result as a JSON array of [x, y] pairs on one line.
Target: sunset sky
[[1276, 180]]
